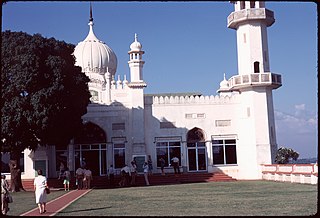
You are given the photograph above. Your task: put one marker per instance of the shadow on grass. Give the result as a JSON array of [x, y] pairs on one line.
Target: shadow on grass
[[90, 209]]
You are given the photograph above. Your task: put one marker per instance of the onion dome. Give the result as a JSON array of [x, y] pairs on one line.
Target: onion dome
[[135, 46], [93, 55], [224, 86], [224, 83]]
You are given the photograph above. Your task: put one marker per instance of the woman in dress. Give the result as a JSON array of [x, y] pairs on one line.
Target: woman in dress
[[145, 172], [40, 184]]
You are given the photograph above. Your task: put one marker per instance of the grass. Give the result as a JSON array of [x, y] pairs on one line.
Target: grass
[[25, 201], [240, 198]]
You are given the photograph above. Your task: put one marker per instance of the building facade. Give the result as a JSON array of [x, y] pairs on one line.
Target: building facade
[[232, 131]]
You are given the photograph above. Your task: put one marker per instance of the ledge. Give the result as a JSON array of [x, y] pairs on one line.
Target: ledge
[[251, 14]]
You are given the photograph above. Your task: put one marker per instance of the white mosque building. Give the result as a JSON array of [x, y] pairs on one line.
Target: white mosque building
[[232, 132]]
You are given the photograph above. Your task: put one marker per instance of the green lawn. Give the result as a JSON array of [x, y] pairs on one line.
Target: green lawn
[[251, 198], [25, 201]]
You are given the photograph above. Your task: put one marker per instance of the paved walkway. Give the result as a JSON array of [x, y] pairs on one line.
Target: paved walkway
[[58, 204]]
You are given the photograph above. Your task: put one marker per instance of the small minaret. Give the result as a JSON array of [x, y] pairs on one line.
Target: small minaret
[[135, 62], [136, 85]]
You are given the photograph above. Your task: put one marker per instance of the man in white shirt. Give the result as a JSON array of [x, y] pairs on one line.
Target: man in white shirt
[[175, 163]]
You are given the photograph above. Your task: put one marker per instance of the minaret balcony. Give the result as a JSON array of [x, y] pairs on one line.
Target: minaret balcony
[[236, 17], [254, 80]]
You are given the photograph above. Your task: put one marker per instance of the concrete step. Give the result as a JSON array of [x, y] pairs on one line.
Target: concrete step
[[155, 179]]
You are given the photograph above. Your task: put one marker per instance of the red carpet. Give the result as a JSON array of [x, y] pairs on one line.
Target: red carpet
[[58, 204]]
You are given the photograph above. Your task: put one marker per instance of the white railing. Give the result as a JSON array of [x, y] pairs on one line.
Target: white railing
[[250, 14], [255, 79], [294, 173]]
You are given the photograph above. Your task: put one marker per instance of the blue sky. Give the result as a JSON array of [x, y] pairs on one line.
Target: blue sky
[[188, 47]]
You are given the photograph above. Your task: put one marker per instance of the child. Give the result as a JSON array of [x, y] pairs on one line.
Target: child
[[66, 181]]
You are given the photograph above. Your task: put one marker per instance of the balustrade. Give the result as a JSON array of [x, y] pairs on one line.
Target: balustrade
[[298, 173], [256, 79]]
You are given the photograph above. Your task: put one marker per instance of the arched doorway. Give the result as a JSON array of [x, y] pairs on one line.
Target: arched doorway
[[196, 150], [91, 149]]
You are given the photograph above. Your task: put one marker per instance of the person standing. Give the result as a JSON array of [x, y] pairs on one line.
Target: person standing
[[111, 175], [40, 184], [175, 163], [150, 165], [66, 181], [79, 178], [125, 176], [122, 178], [87, 178], [162, 164], [133, 169], [61, 170], [146, 172], [4, 192]]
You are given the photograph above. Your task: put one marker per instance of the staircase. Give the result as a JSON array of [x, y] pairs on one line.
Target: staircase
[[155, 179]]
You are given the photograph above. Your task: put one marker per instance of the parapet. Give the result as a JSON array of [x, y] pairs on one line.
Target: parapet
[[159, 100]]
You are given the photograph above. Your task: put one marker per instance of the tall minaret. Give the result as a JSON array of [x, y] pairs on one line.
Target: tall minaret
[[256, 125], [251, 20]]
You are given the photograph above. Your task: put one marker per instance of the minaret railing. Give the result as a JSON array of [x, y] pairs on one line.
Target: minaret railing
[[250, 14], [255, 79]]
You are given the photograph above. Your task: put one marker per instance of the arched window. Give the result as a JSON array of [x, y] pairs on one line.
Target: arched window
[[256, 66], [195, 135], [90, 134]]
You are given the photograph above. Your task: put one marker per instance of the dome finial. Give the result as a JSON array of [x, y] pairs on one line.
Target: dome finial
[[135, 46], [135, 37], [91, 18]]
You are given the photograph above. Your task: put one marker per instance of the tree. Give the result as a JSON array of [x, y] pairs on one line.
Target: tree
[[44, 95], [284, 154]]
